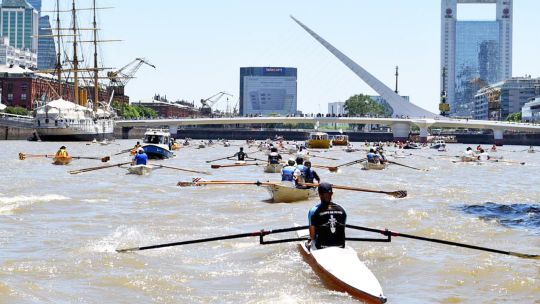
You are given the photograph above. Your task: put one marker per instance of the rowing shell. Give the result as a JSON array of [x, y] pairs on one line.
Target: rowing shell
[[340, 269], [140, 169], [373, 166], [62, 160], [273, 168], [288, 194]]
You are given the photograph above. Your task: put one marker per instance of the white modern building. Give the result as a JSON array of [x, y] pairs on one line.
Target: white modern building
[[337, 108], [10, 55], [531, 111], [474, 51]]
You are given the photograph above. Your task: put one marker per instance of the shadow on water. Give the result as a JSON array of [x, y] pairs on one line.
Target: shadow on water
[[514, 215]]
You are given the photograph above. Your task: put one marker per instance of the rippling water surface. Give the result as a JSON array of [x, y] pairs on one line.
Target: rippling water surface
[[59, 232]]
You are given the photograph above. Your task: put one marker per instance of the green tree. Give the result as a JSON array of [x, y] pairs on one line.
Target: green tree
[[363, 105], [514, 117], [16, 110]]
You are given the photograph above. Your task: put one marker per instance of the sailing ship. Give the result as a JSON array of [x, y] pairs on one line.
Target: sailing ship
[[81, 118]]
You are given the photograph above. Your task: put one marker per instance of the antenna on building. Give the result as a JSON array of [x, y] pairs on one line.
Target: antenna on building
[[397, 74]]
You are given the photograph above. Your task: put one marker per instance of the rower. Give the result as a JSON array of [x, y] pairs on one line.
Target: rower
[[301, 152], [469, 152], [382, 157], [274, 157], [484, 156], [287, 172], [494, 148], [62, 152], [371, 156], [137, 145], [326, 221], [310, 175], [299, 173], [241, 155], [140, 158], [478, 148], [531, 149]]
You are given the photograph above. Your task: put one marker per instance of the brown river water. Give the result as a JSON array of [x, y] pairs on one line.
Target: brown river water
[[59, 232]]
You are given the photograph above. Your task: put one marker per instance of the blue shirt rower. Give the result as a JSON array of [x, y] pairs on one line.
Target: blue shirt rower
[[140, 158]]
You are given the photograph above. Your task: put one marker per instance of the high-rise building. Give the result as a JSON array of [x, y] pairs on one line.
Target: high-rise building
[[474, 52], [336, 108], [19, 22], [267, 91], [36, 4], [46, 47]]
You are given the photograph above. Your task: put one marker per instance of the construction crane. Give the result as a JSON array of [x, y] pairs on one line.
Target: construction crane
[[209, 102], [119, 79]]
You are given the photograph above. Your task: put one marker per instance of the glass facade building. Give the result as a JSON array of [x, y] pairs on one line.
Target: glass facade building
[[46, 48], [268, 91], [474, 53], [19, 22]]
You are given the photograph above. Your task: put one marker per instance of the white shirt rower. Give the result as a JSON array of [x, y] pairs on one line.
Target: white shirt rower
[[484, 156]]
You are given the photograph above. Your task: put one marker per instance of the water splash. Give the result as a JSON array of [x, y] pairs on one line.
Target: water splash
[[513, 216]]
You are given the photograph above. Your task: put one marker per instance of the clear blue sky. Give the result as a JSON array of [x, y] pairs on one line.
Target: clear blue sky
[[198, 46]]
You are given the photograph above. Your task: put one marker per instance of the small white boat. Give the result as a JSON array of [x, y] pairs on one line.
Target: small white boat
[[273, 168], [288, 193], [531, 150], [202, 146], [140, 169], [373, 166], [104, 142], [94, 141], [341, 270]]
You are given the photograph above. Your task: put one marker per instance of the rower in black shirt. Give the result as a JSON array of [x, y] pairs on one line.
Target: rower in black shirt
[[326, 221], [241, 154]]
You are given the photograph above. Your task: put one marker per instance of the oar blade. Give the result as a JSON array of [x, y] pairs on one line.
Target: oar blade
[[525, 255], [22, 156], [399, 193], [186, 184], [128, 249], [215, 166], [333, 169], [105, 159]]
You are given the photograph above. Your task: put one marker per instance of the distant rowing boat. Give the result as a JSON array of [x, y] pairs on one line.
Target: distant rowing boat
[[140, 169], [273, 168], [342, 270], [373, 166]]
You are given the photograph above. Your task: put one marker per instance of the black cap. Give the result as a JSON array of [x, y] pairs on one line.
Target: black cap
[[299, 160], [325, 188], [62, 147]]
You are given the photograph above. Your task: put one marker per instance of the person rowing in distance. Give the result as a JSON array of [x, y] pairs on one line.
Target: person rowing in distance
[[381, 156], [62, 152], [140, 158], [469, 152], [326, 221], [241, 155], [531, 149], [299, 173], [372, 157], [274, 157], [287, 172], [483, 156], [494, 148]]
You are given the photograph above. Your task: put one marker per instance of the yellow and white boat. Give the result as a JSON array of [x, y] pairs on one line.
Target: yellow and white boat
[[318, 140], [140, 169], [340, 140]]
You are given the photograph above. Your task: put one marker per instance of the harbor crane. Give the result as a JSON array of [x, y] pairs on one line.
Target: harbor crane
[[119, 79], [209, 102]]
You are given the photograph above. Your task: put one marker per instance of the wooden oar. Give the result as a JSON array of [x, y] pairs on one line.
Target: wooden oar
[[395, 163], [396, 194], [97, 168], [23, 156], [318, 156], [123, 151], [182, 169], [209, 161], [445, 242], [233, 165], [330, 168], [198, 183], [351, 163], [261, 232], [103, 159], [507, 161]]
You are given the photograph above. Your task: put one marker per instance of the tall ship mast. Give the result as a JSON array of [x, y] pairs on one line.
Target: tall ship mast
[[73, 116]]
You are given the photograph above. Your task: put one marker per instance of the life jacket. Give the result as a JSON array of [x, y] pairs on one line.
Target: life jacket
[[61, 153], [287, 173], [371, 157]]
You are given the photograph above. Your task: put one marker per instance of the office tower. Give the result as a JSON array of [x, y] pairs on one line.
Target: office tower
[[474, 53], [19, 22]]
